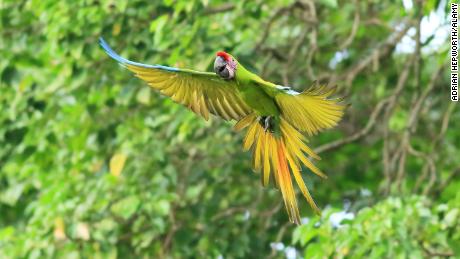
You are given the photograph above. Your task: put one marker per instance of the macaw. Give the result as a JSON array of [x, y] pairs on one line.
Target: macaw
[[276, 117]]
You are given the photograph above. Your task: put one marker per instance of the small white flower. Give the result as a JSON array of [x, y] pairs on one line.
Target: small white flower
[[336, 218], [277, 246], [290, 252], [365, 192], [246, 215]]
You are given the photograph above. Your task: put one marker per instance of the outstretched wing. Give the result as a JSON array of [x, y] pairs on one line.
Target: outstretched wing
[[311, 110], [202, 92]]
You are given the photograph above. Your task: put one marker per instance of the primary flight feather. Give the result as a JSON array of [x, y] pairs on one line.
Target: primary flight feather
[[275, 116]]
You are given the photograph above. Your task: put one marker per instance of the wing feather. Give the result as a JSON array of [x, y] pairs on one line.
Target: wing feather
[[312, 110], [201, 92], [204, 108]]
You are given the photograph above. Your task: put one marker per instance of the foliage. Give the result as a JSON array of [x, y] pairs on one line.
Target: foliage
[[95, 164], [395, 227]]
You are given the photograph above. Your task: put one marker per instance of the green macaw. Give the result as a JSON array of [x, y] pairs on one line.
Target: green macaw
[[276, 116]]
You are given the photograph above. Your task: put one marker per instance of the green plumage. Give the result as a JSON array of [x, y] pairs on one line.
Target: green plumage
[[274, 115], [257, 93]]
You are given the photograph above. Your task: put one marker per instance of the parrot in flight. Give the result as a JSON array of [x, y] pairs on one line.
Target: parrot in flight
[[277, 118]]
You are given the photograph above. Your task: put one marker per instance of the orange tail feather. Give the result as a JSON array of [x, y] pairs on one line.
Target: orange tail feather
[[280, 155]]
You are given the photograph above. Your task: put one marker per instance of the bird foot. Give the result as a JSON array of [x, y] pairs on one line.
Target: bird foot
[[266, 122]]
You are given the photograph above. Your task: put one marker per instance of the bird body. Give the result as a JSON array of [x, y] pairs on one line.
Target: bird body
[[255, 92], [276, 117], [258, 99]]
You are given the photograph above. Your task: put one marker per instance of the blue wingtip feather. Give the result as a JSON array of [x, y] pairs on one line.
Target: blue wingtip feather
[[110, 51], [123, 60]]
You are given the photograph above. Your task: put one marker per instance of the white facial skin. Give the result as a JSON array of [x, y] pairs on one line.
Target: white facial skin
[[225, 69]]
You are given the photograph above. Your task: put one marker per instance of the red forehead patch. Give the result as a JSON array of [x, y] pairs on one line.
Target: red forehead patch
[[223, 55]]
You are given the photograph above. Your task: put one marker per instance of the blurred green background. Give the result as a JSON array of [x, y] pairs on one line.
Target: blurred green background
[[94, 164]]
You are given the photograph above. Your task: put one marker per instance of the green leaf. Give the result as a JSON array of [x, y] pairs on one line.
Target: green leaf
[[162, 207], [329, 3], [126, 207], [398, 120], [157, 27], [12, 194], [452, 217]]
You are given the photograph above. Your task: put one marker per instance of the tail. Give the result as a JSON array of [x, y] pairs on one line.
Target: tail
[[280, 154]]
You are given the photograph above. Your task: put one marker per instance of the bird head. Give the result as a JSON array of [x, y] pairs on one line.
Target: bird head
[[225, 65]]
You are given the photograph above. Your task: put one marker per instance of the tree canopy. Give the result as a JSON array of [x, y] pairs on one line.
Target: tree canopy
[[94, 163]]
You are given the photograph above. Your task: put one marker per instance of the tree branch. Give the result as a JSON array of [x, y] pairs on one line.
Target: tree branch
[[219, 9]]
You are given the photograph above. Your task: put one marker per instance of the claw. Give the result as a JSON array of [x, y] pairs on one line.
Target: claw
[[267, 123]]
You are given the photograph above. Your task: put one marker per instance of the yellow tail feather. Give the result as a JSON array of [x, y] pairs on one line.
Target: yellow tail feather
[[280, 155]]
